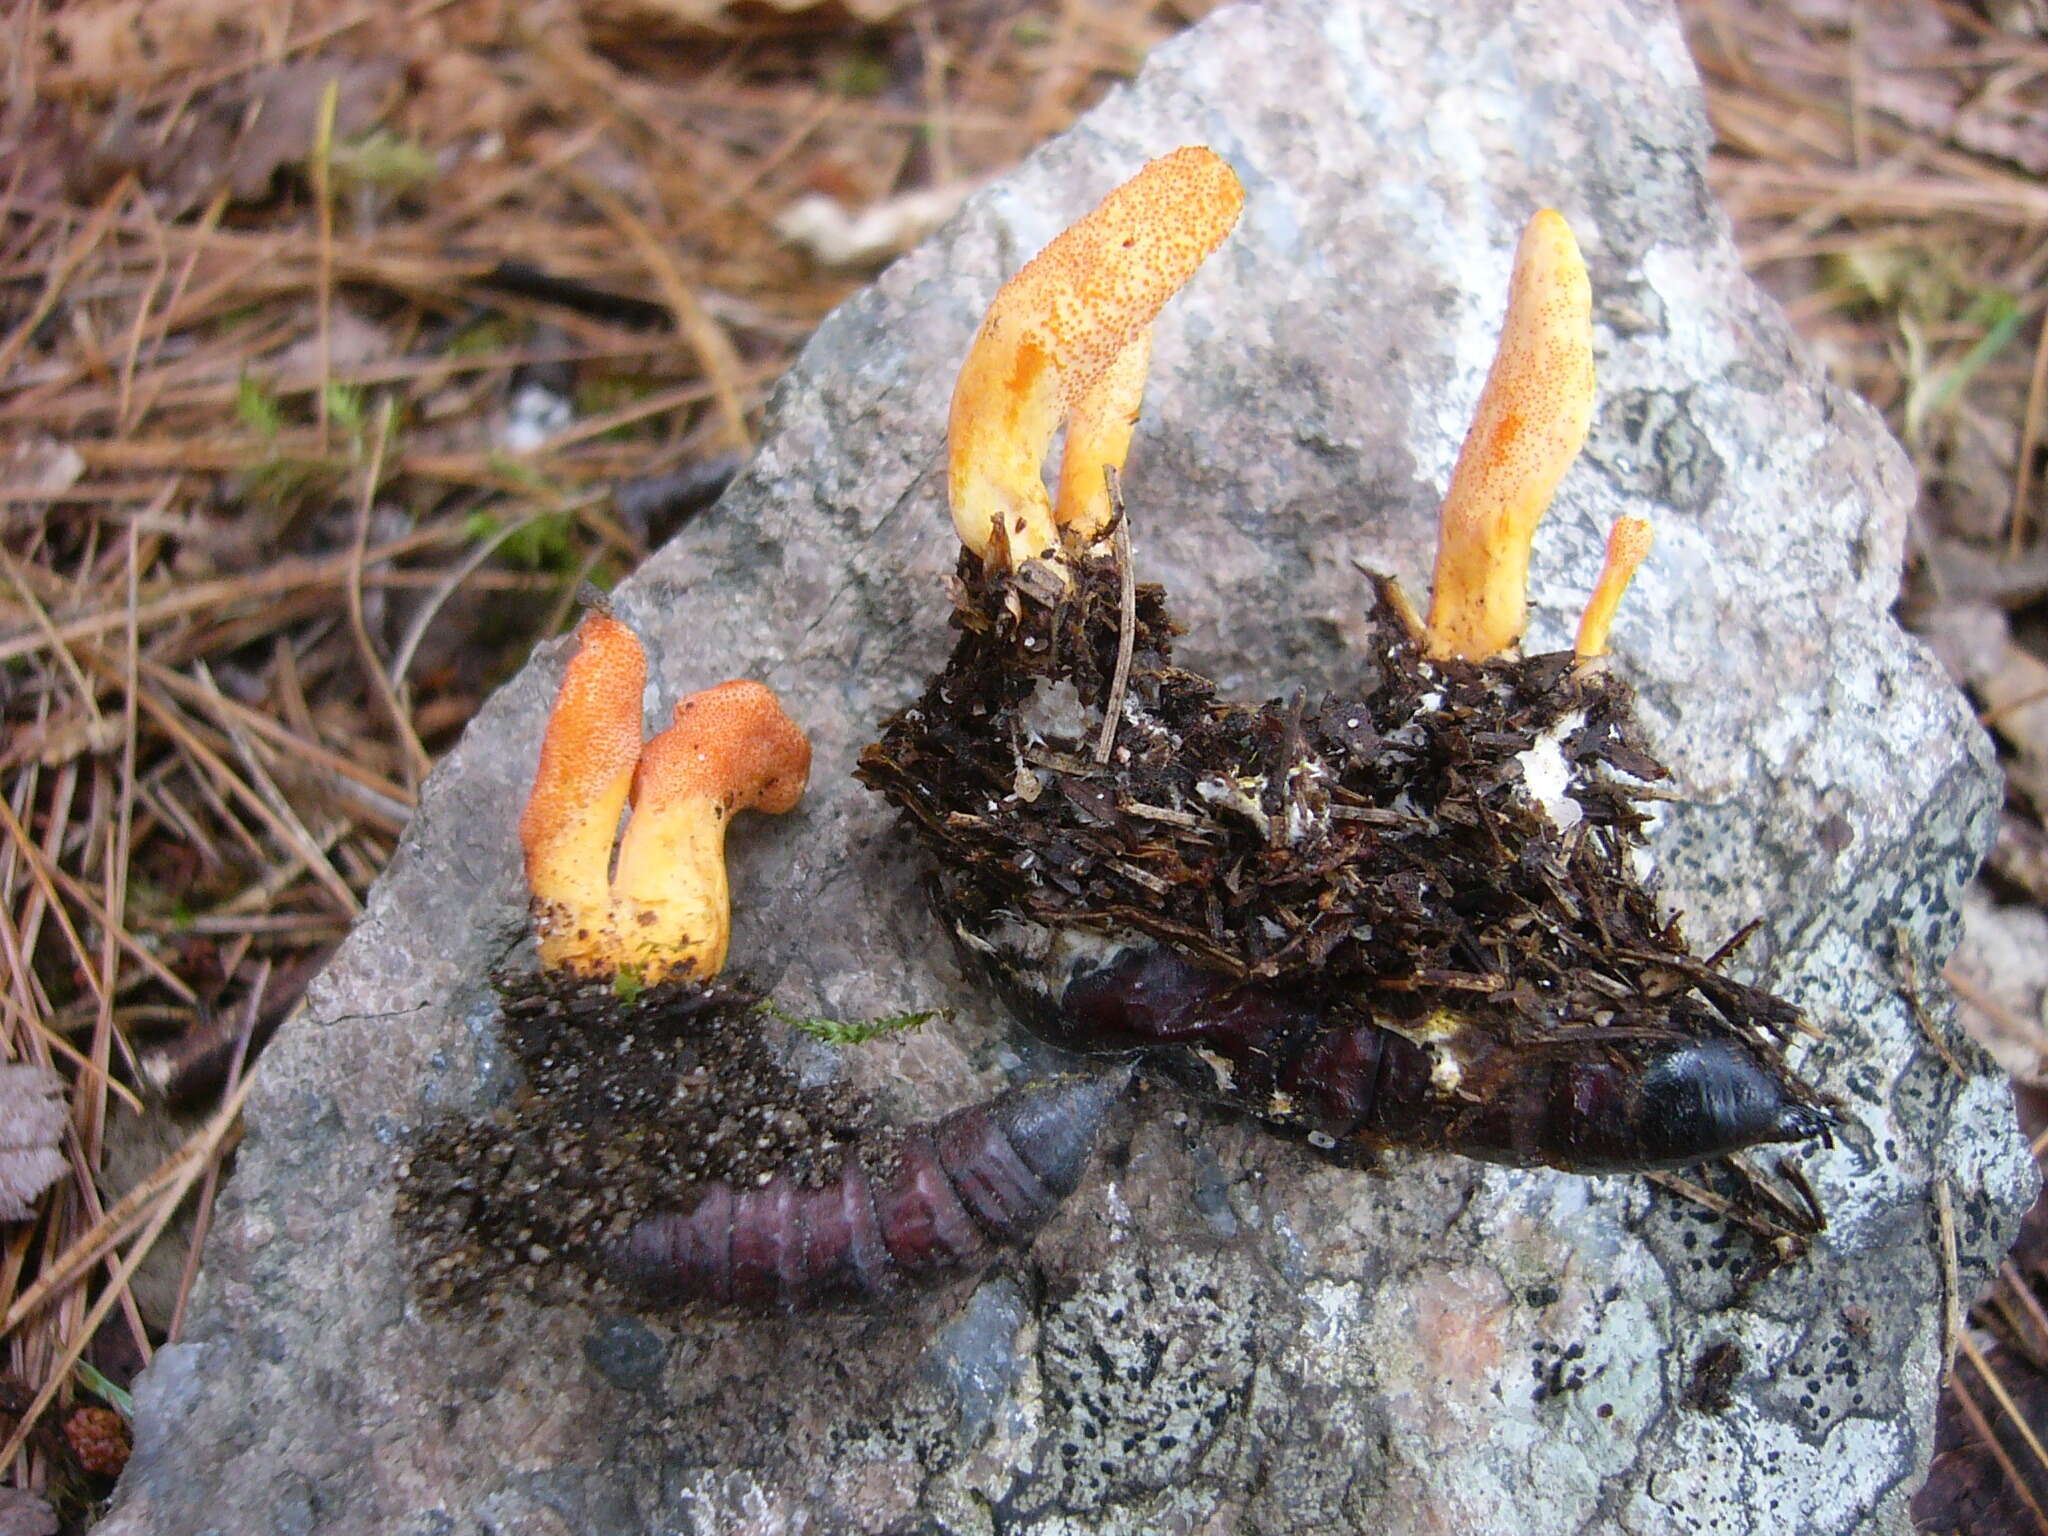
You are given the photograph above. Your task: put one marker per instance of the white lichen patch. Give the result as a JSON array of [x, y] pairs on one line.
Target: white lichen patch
[[1548, 777], [1329, 1315]]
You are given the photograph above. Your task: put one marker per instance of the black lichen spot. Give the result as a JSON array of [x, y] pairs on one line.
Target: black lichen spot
[[1649, 442]]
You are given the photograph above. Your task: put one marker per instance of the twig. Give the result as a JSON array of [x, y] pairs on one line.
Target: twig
[[1988, 1437], [715, 354], [201, 596], [60, 274], [294, 837], [1908, 976], [2030, 442], [401, 661], [323, 212], [1998, 1390], [133, 354], [1127, 621], [40, 864], [1951, 1284], [117, 1283], [416, 754], [43, 873], [1968, 990], [204, 1217]]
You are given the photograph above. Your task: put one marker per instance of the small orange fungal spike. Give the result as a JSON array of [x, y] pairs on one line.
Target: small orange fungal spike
[[1529, 425], [586, 769], [1070, 317], [1628, 544], [731, 748]]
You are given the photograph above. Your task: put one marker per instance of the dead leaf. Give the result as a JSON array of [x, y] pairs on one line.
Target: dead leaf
[[1975, 643], [1967, 1488], [76, 736], [283, 114], [1966, 573], [2015, 695], [43, 465], [240, 135], [107, 45], [353, 341], [31, 1124], [2019, 856], [2004, 957]]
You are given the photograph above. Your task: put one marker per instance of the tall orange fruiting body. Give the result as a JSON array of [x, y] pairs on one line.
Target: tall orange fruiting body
[[1099, 428], [1068, 338], [572, 816], [731, 748], [1529, 425]]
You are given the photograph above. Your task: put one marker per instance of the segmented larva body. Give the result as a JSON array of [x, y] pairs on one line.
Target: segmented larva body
[[955, 1194], [1350, 1087]]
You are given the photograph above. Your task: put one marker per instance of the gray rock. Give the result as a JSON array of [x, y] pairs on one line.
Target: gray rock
[[1217, 1334]]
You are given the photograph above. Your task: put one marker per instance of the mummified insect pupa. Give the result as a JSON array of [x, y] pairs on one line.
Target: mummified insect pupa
[[936, 1203]]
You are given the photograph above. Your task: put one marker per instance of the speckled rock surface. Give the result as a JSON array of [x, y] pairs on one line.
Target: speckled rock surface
[[1218, 1334]]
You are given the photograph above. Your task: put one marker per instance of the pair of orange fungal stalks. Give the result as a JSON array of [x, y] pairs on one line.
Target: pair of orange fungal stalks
[[666, 910], [1529, 425], [1069, 337]]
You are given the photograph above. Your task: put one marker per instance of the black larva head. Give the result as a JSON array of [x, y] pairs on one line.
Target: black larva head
[[1710, 1098], [1053, 1121]]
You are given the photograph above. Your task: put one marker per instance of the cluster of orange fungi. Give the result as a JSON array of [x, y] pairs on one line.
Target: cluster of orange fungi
[[1068, 338], [665, 910], [1066, 342]]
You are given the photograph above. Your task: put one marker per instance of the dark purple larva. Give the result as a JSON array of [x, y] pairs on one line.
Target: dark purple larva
[[1408, 915], [1348, 1086], [955, 1194]]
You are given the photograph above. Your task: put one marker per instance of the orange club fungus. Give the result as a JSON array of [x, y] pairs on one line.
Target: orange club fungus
[[667, 909], [1068, 340]]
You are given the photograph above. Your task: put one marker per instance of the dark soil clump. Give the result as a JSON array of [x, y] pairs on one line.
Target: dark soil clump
[[629, 1109], [1387, 842]]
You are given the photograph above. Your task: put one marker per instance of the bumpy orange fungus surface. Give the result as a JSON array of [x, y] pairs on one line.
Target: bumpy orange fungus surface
[[731, 748], [586, 769], [1529, 425], [1056, 330], [1099, 429], [1628, 545]]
